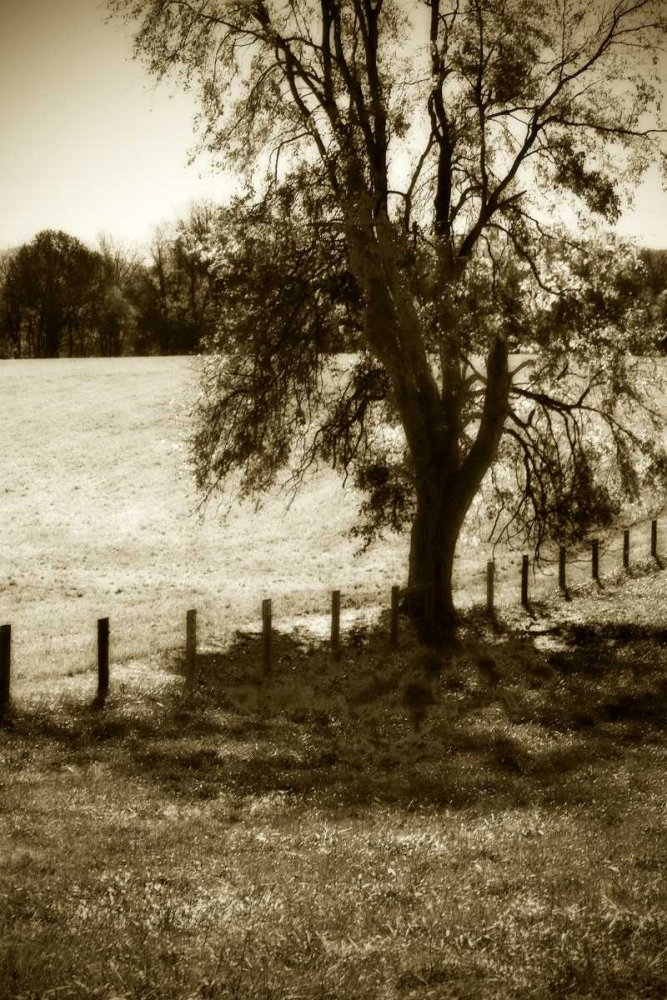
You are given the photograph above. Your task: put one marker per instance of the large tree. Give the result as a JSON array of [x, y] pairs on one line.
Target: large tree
[[443, 139], [47, 295], [177, 296], [113, 306]]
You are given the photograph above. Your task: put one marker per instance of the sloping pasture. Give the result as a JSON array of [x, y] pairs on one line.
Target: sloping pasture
[[99, 518]]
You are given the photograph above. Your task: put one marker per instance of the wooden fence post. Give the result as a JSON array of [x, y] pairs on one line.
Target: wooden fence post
[[524, 582], [490, 577], [393, 624], [562, 578], [266, 635], [102, 662], [626, 549], [335, 624], [5, 667], [595, 563], [654, 539], [190, 647]]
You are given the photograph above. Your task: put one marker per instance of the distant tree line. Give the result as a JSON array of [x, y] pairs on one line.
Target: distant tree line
[[645, 285], [654, 289], [60, 298]]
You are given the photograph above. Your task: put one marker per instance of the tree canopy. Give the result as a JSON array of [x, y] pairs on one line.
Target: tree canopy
[[425, 173], [177, 296], [47, 291], [59, 297]]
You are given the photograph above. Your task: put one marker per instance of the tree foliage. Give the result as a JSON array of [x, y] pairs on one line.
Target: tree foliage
[[47, 293], [60, 297], [425, 151], [176, 297]]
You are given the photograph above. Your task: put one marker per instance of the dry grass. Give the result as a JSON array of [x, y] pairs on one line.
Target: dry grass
[[383, 827], [389, 826], [99, 519]]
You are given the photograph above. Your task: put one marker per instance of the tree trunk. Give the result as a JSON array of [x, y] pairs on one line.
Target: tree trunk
[[445, 490], [52, 333], [442, 505], [445, 480], [429, 600]]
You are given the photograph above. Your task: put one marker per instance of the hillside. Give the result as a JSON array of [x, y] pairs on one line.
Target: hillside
[[99, 519], [312, 834]]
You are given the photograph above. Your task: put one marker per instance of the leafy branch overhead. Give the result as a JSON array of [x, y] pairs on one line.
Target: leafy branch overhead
[[422, 185]]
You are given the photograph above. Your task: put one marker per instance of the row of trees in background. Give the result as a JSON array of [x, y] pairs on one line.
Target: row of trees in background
[[60, 298]]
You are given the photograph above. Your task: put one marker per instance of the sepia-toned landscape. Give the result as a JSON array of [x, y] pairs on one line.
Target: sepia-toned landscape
[[375, 826], [333, 500]]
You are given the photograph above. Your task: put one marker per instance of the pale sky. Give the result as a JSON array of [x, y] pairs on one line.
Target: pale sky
[[89, 143]]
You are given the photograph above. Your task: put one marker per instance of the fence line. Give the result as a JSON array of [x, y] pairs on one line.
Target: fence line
[[190, 646], [393, 622], [103, 629], [524, 581], [335, 624]]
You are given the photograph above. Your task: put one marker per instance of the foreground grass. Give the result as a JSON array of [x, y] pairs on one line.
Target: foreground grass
[[492, 826]]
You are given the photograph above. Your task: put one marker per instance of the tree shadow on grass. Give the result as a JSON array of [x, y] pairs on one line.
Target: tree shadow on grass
[[500, 722]]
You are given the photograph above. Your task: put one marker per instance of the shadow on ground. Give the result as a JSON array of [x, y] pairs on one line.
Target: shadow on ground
[[512, 717]]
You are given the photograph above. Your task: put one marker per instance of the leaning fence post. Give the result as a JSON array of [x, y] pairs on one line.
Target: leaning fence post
[[654, 539], [5, 667], [562, 579], [524, 582], [393, 623], [102, 662], [490, 576], [335, 624], [190, 647], [626, 549], [266, 635], [595, 563]]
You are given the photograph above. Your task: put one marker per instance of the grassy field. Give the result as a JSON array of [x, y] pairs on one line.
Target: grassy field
[[385, 827], [487, 827], [99, 519]]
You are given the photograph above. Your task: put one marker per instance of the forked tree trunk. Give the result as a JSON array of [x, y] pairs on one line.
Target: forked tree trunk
[[445, 482], [445, 492]]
